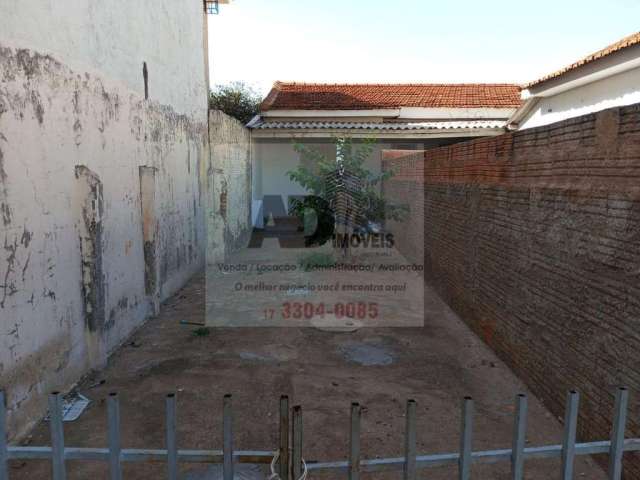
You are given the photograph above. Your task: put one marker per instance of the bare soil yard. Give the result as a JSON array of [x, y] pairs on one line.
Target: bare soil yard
[[437, 365]]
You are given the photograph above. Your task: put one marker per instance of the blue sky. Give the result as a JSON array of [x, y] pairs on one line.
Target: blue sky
[[260, 41]]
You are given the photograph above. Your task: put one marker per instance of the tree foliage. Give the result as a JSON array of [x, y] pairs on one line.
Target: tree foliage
[[236, 99], [352, 157]]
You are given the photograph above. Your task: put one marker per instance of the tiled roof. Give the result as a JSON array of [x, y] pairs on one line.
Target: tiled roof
[[626, 42], [322, 96], [450, 125]]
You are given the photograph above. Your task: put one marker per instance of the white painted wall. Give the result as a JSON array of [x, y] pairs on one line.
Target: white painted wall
[[276, 158], [72, 95], [112, 38], [617, 90]]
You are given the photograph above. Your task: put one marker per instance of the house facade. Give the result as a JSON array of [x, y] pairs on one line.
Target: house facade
[[404, 116], [605, 79]]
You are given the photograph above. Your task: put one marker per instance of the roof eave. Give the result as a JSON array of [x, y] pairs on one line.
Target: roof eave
[[374, 112], [514, 120], [435, 113], [378, 134], [613, 64]]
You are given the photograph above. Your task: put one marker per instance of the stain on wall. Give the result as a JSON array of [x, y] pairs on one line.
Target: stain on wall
[[150, 233], [90, 205], [73, 242], [229, 183]]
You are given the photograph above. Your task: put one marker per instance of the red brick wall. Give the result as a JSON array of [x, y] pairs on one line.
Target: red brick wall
[[533, 238]]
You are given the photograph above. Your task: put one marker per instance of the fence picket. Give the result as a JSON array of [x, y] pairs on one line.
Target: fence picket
[[172, 443], [617, 434], [354, 443], [519, 438], [227, 438], [284, 438], [569, 435], [410, 442], [466, 438], [113, 420], [57, 437], [352, 467], [4, 455], [296, 460]]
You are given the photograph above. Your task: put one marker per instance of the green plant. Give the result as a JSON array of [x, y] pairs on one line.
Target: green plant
[[201, 331], [351, 157], [316, 216], [236, 99]]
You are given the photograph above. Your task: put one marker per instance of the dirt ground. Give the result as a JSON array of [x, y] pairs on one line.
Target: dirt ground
[[437, 365]]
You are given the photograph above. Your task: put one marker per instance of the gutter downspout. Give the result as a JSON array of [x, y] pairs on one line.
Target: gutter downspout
[[517, 116]]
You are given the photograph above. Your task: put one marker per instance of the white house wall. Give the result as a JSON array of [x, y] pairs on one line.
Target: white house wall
[[278, 157], [101, 199], [617, 90]]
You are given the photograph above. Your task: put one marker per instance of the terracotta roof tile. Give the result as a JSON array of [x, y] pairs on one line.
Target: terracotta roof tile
[[322, 96], [633, 39]]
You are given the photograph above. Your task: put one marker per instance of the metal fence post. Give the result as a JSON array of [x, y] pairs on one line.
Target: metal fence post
[[617, 434], [296, 460], [569, 435], [57, 436], [113, 420], [410, 442], [4, 456], [172, 443], [227, 438], [519, 438], [354, 443], [466, 437], [283, 465]]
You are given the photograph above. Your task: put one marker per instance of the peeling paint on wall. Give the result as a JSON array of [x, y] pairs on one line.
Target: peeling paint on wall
[[91, 208], [73, 247], [149, 234], [229, 183], [5, 211]]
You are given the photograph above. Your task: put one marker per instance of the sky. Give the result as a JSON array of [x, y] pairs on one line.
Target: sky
[[409, 41]]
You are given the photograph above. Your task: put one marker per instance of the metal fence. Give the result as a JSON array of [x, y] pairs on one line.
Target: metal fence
[[287, 460]]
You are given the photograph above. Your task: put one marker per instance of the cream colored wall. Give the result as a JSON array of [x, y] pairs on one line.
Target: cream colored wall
[[73, 116]]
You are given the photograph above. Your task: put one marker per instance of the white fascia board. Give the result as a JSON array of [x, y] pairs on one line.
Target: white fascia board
[[400, 113], [608, 66], [381, 112], [453, 133], [455, 113]]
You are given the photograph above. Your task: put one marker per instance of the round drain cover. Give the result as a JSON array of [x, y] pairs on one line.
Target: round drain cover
[[331, 323]]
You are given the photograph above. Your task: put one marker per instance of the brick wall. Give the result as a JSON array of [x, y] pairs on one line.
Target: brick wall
[[533, 238]]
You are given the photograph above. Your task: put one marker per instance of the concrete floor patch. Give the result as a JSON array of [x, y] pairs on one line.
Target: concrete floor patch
[[368, 354]]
